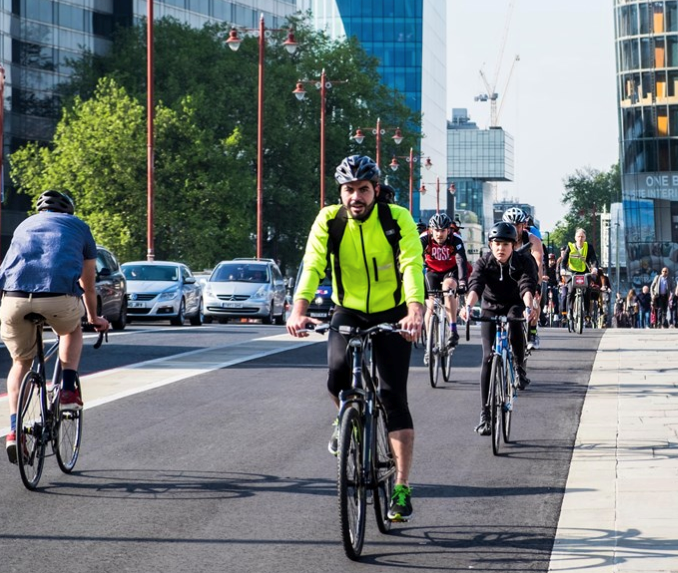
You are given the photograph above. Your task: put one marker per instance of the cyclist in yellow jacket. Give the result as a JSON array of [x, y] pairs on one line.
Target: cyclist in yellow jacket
[[579, 258], [373, 282]]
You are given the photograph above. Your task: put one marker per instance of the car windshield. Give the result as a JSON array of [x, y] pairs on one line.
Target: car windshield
[[151, 273], [238, 272]]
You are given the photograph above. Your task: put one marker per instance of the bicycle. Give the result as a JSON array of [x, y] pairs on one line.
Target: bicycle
[[438, 351], [503, 379], [40, 420], [575, 323], [366, 463]]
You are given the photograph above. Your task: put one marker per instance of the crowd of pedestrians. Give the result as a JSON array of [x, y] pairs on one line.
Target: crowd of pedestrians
[[655, 306]]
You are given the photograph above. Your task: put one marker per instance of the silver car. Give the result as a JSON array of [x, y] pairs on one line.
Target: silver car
[[245, 288], [161, 289]]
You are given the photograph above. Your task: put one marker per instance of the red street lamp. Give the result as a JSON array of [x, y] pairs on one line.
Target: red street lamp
[[323, 85], [452, 189], [290, 44], [411, 160], [378, 131], [2, 146]]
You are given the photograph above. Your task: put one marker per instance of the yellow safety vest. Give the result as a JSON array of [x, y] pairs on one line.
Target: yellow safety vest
[[577, 260]]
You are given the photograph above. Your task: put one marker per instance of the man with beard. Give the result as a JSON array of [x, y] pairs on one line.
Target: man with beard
[[375, 281]]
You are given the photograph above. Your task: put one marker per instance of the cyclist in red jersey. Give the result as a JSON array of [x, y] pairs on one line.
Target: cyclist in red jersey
[[446, 267]]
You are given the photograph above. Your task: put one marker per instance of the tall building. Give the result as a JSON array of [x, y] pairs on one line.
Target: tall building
[[39, 36], [408, 39], [477, 160], [647, 87]]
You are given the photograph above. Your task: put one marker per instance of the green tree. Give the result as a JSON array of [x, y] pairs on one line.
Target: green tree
[[195, 68], [587, 192]]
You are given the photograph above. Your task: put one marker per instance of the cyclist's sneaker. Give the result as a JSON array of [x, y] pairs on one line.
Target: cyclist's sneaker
[[70, 400], [453, 339], [530, 340], [401, 504], [483, 428], [10, 444], [333, 445], [535, 342], [523, 380], [426, 358]]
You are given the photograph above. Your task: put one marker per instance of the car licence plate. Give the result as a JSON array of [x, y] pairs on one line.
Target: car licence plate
[[231, 305], [136, 304]]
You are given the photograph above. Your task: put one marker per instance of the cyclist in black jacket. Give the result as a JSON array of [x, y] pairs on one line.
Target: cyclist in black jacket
[[505, 280]]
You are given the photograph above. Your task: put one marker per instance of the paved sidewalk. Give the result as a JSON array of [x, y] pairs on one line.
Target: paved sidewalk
[[620, 510]]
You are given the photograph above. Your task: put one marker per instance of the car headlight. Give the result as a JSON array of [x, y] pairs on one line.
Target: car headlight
[[207, 289], [169, 295], [261, 294]]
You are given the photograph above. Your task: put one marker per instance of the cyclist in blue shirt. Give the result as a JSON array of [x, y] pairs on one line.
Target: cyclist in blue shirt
[[49, 268]]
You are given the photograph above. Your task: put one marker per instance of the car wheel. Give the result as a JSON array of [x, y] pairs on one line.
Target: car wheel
[[197, 319], [268, 319], [178, 320], [280, 319], [207, 320], [121, 322]]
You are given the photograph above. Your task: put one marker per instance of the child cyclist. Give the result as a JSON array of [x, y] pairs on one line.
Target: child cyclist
[[506, 280], [445, 264]]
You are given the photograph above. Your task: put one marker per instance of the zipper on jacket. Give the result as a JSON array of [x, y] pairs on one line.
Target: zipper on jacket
[[367, 270], [376, 269]]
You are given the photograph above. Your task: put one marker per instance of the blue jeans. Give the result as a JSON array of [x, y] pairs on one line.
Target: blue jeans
[[645, 319]]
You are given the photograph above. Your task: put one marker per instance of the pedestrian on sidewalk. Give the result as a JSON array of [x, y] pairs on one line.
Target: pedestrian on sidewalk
[[632, 308], [662, 286], [645, 307]]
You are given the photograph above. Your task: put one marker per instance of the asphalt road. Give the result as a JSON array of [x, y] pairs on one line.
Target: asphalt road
[[229, 471]]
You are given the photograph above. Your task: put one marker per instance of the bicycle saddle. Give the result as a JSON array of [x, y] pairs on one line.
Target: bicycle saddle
[[35, 317]]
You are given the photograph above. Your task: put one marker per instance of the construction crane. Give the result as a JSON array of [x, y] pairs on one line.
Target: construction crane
[[491, 94]]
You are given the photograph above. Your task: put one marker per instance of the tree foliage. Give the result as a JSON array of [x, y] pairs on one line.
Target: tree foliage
[[587, 193], [206, 139]]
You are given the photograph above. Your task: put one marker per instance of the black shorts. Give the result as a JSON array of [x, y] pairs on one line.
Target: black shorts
[[434, 280]]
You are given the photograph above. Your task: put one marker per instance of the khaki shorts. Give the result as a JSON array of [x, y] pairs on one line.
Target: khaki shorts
[[63, 314]]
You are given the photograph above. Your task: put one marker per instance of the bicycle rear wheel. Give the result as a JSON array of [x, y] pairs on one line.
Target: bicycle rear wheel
[[507, 408], [433, 349], [68, 434], [384, 472], [351, 486], [30, 430], [496, 402], [446, 353]]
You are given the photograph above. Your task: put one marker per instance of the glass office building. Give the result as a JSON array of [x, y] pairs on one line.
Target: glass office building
[[647, 86], [39, 36], [408, 39], [477, 159]]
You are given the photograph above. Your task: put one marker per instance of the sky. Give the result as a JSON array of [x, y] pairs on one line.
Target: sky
[[560, 103]]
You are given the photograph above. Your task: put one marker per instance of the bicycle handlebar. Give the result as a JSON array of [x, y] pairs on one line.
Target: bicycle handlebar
[[503, 319], [354, 330], [102, 335]]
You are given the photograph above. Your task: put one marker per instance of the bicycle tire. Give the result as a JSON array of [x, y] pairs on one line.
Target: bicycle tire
[[384, 472], [496, 381], [507, 409], [350, 484], [67, 434], [31, 425], [446, 353], [580, 315], [432, 343]]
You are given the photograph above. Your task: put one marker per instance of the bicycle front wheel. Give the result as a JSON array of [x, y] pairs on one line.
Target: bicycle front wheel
[[351, 485], [579, 322], [30, 430], [507, 407], [433, 349], [496, 402], [446, 353], [384, 472], [67, 435]]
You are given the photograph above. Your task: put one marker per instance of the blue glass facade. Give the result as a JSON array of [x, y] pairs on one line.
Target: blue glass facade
[[647, 88]]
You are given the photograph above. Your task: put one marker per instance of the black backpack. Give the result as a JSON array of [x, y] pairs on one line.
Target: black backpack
[[337, 227]]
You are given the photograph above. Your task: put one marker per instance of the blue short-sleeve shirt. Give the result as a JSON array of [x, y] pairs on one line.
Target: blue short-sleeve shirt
[[47, 254]]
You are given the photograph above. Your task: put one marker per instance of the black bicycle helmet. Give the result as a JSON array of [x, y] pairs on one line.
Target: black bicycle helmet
[[502, 231], [386, 194], [55, 201], [440, 221], [357, 168], [514, 215]]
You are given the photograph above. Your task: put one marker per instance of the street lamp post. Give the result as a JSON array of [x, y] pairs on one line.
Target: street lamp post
[[290, 44], [300, 94], [2, 146], [150, 252], [422, 190], [411, 160], [378, 131], [453, 191]]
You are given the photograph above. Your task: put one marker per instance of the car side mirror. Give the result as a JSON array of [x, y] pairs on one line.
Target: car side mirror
[[189, 280]]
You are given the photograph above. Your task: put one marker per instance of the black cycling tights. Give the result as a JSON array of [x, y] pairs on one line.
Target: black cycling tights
[[391, 353]]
